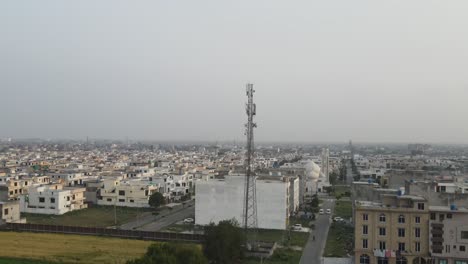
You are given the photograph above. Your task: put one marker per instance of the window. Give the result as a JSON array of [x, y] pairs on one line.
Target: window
[[365, 243], [382, 245], [364, 259], [382, 231], [121, 192], [420, 206], [401, 219], [382, 218], [443, 261], [433, 216], [462, 248], [417, 232], [109, 199], [132, 201], [441, 217], [417, 219], [401, 232], [464, 234], [41, 199], [461, 262], [52, 200], [365, 230], [449, 216], [5, 212], [401, 246], [121, 200], [417, 247]]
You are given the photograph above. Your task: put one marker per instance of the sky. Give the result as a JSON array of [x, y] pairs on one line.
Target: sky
[[323, 71]]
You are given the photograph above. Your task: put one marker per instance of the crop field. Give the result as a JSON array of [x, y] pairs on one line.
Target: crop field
[[57, 248]]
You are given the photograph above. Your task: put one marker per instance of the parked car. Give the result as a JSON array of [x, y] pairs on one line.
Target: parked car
[[321, 211], [297, 227], [338, 219], [189, 220], [328, 211]]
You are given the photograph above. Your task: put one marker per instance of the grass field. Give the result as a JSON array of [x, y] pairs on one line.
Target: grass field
[[341, 190], [21, 261], [344, 209], [340, 241], [281, 256], [96, 216], [280, 236], [58, 248]]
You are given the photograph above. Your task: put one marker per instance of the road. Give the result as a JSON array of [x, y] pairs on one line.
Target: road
[[314, 248], [150, 222], [349, 173]]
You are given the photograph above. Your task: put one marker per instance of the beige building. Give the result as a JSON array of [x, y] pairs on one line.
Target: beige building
[[449, 235], [10, 212], [394, 231]]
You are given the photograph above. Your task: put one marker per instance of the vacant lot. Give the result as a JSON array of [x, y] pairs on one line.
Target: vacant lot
[[340, 241], [96, 216], [68, 248], [344, 209]]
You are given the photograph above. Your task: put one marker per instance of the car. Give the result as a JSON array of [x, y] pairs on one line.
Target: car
[[328, 211], [321, 211], [188, 220], [297, 227], [338, 219]]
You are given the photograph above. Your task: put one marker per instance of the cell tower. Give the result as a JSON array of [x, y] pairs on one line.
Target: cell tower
[[250, 202]]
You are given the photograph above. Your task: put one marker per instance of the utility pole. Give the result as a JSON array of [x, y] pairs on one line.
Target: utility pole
[[250, 202]]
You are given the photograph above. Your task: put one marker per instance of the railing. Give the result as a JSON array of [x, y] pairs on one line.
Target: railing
[[99, 231]]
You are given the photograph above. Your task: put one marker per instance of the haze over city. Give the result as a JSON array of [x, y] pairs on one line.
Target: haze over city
[[171, 70]]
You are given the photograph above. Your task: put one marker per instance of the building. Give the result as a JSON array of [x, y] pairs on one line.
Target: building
[[223, 199], [10, 212], [448, 234], [53, 199], [130, 193], [394, 231]]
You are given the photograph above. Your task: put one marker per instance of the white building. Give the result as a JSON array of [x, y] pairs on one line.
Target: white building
[[52, 199], [223, 199]]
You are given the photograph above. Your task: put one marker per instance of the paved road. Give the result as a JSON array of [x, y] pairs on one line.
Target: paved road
[[349, 173], [150, 222], [169, 219], [314, 248]]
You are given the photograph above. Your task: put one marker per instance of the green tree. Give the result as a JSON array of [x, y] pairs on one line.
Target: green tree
[[168, 253], [223, 242], [156, 199]]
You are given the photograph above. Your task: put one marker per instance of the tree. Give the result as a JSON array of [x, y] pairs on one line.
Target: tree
[[168, 253], [223, 242], [156, 199]]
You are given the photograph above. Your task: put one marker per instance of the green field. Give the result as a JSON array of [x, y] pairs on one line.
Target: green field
[[281, 237], [96, 216], [22, 261], [341, 191], [76, 249], [340, 240], [344, 209]]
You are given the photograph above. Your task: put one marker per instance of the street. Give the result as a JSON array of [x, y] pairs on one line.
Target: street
[[314, 248], [150, 222]]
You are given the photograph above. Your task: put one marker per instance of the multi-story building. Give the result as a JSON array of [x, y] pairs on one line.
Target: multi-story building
[[448, 235], [14, 188], [394, 231], [130, 193], [223, 199], [52, 199]]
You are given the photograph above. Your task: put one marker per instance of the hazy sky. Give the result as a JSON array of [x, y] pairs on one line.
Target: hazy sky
[[170, 70]]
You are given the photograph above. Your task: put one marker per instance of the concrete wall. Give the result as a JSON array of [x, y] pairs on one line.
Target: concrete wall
[[218, 200]]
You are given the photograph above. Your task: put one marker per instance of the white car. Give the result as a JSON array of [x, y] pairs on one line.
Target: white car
[[321, 211], [188, 220], [297, 227], [338, 219], [328, 211]]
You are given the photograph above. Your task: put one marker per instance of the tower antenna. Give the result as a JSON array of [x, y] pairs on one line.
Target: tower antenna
[[250, 202]]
